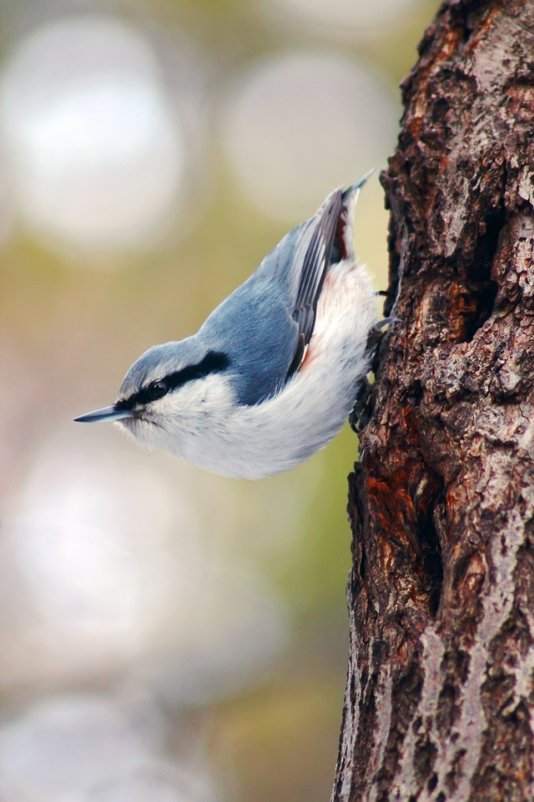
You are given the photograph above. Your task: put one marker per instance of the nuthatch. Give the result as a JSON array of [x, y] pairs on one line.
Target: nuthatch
[[272, 374]]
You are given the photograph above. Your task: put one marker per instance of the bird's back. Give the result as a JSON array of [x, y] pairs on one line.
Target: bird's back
[[265, 324]]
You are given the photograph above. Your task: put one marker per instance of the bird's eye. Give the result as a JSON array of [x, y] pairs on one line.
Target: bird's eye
[[157, 389]]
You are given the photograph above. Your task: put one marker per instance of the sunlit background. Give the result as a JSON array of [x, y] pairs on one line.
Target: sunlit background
[[167, 635]]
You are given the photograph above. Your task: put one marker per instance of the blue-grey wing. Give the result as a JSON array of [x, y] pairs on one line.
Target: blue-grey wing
[[254, 328], [265, 325], [316, 260]]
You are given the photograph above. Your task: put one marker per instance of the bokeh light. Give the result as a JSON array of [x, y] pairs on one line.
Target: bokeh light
[[119, 582], [94, 747], [343, 18], [96, 150], [299, 124], [157, 782]]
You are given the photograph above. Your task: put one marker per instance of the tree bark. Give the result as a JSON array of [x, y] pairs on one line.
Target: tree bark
[[439, 703]]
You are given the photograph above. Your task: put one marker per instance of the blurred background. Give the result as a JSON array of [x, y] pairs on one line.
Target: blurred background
[[165, 634]]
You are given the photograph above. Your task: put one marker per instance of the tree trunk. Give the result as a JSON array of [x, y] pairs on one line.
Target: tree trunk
[[439, 702]]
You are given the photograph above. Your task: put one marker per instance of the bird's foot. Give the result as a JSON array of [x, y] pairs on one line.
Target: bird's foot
[[376, 334], [361, 411], [386, 321]]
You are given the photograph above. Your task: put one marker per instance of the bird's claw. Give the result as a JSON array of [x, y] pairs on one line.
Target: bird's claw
[[386, 321], [361, 411]]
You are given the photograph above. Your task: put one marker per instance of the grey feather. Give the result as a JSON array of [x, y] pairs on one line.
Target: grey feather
[[275, 308], [159, 361], [315, 263]]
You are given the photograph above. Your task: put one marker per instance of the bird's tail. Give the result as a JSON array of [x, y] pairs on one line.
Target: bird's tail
[[354, 189]]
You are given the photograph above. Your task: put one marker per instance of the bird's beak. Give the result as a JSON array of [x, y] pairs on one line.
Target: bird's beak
[[104, 414]]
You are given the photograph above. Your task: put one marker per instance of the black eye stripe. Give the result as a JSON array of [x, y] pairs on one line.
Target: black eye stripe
[[213, 362]]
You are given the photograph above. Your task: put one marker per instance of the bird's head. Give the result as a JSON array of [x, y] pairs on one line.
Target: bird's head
[[167, 388]]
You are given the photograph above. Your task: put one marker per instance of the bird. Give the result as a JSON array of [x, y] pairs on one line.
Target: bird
[[273, 373]]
